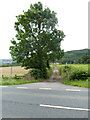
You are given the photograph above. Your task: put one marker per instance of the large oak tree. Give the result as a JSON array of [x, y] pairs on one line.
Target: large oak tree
[[37, 40]]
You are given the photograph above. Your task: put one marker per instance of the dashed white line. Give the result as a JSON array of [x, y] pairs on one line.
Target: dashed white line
[[62, 107], [45, 88], [22, 87], [3, 86], [77, 90]]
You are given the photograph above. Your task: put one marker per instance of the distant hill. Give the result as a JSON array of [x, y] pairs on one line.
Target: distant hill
[[70, 57], [5, 61], [8, 62], [74, 55]]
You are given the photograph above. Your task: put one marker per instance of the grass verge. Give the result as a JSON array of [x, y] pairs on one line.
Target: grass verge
[[78, 83], [12, 81]]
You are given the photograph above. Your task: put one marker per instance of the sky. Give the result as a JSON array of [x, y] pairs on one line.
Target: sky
[[72, 20]]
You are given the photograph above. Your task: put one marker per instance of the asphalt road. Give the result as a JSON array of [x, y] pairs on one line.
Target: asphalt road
[[44, 100]]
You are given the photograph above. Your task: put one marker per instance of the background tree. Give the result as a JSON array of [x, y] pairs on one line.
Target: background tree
[[84, 59], [37, 39]]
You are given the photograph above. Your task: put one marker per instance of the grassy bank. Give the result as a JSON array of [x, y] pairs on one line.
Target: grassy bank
[[75, 75], [79, 83], [12, 81]]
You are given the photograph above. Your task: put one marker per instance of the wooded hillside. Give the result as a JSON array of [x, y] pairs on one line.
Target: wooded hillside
[[76, 56]]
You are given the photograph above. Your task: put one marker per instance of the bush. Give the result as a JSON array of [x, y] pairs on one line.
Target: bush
[[74, 72], [45, 73], [79, 75], [36, 73]]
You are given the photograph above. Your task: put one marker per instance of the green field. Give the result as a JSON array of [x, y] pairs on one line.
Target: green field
[[75, 74]]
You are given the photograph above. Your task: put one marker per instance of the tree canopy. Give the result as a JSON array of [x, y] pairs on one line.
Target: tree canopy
[[37, 40]]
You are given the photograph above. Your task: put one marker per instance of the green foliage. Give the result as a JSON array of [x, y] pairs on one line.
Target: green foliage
[[49, 71], [37, 39], [85, 59], [36, 73], [76, 56], [79, 75], [13, 81], [5, 77], [17, 77], [14, 77], [74, 72], [66, 68]]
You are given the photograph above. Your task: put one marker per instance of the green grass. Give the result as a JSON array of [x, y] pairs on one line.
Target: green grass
[[12, 81], [78, 83], [75, 74]]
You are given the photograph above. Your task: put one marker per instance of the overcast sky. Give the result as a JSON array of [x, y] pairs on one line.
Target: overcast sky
[[72, 19]]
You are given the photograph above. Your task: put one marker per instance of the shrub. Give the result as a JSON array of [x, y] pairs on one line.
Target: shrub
[[45, 73], [74, 72], [36, 73], [79, 75]]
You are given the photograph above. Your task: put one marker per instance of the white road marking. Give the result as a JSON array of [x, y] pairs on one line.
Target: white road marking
[[22, 87], [3, 86], [62, 107], [45, 88], [73, 90]]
